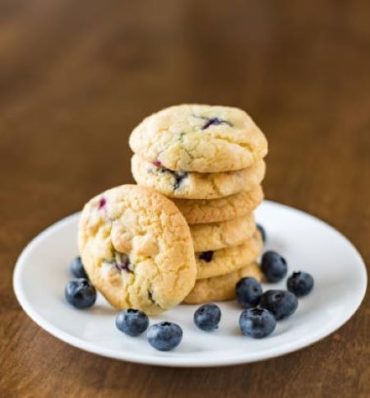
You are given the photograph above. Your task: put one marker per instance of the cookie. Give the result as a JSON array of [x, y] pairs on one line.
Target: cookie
[[191, 185], [200, 138], [137, 249], [205, 211], [219, 235], [221, 288], [224, 261]]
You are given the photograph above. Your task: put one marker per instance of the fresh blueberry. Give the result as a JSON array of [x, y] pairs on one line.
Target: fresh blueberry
[[248, 292], [206, 256], [300, 283], [80, 293], [164, 336], [77, 268], [207, 317], [262, 232], [280, 302], [132, 322], [257, 322], [273, 266]]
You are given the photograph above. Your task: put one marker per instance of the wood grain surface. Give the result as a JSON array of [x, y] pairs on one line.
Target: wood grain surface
[[77, 76]]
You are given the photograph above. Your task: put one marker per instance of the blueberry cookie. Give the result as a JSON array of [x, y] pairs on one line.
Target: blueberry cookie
[[137, 249], [221, 288], [204, 211], [219, 235], [201, 138], [191, 185], [220, 262]]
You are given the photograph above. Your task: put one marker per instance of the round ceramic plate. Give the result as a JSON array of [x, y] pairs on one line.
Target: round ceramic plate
[[306, 242]]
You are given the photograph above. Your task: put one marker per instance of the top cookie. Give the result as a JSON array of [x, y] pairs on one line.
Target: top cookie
[[137, 249], [201, 138]]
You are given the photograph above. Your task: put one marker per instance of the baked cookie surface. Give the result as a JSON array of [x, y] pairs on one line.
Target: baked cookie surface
[[216, 236], [221, 262], [204, 211], [192, 185], [200, 138], [137, 249], [221, 288]]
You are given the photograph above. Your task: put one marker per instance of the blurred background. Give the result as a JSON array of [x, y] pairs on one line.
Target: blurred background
[[77, 76]]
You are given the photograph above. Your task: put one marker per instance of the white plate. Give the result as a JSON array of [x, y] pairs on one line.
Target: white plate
[[307, 243]]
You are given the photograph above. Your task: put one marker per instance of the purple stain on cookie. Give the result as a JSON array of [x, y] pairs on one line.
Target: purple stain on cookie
[[214, 121], [206, 256], [178, 176], [102, 203], [122, 262], [157, 163]]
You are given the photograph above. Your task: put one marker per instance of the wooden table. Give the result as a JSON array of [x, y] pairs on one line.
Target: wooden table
[[77, 76]]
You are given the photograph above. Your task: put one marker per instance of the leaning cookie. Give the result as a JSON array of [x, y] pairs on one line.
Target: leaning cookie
[[137, 249], [230, 259], [205, 211], [200, 138], [221, 288], [218, 235], [191, 185]]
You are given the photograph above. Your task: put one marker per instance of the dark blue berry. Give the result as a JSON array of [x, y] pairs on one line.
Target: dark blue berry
[[262, 232], [300, 283], [80, 293], [257, 322], [164, 336], [273, 266], [77, 268], [207, 317], [280, 302], [206, 256], [248, 292], [132, 322]]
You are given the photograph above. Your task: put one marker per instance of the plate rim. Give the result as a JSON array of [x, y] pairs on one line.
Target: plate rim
[[165, 359]]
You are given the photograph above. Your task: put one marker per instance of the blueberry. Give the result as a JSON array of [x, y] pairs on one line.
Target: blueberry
[[206, 256], [80, 293], [273, 266], [280, 302], [257, 322], [122, 262], [248, 292], [207, 317], [102, 203], [300, 283], [132, 322], [77, 268], [164, 336], [179, 176], [214, 121], [262, 232]]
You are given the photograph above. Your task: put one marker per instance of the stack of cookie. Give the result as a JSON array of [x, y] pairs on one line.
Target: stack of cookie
[[209, 161]]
